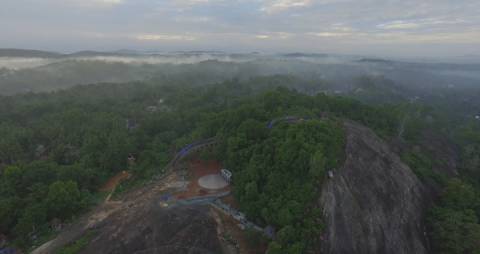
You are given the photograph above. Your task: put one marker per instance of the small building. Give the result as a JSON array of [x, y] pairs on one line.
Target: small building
[[269, 231], [131, 124], [40, 151], [56, 225], [3, 240], [226, 174], [330, 174], [152, 109], [477, 117], [131, 158]]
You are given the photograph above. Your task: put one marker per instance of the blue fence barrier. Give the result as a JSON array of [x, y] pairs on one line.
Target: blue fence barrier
[[7, 251]]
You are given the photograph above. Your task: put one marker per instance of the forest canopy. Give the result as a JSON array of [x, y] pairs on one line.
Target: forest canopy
[[57, 149]]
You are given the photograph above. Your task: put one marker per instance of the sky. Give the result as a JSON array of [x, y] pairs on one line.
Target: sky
[[362, 27]]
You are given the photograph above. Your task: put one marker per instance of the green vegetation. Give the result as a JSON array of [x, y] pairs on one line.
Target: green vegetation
[[58, 149], [455, 220], [78, 245], [279, 168], [422, 165], [454, 225], [278, 177]]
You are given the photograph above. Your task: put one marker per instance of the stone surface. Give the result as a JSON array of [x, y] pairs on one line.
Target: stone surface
[[374, 203], [188, 229]]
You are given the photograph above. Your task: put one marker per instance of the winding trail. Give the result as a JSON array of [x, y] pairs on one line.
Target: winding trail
[[132, 200]]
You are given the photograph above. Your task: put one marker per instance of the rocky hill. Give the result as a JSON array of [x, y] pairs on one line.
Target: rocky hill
[[374, 203], [155, 230]]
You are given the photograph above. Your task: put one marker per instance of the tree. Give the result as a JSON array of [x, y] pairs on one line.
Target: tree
[[32, 217], [275, 248], [286, 235], [63, 199], [455, 225], [317, 164], [8, 210], [459, 195], [455, 232]]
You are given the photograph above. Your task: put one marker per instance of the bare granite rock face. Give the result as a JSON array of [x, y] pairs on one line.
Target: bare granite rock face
[[188, 229], [374, 203]]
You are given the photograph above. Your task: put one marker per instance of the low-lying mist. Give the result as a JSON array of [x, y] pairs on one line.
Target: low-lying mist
[[48, 72]]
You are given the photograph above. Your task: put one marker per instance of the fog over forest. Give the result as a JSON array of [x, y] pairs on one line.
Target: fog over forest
[[43, 72], [240, 126]]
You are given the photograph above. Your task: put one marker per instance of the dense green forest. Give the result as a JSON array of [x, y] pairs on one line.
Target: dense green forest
[[57, 149]]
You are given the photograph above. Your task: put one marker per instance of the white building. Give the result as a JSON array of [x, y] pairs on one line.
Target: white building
[[226, 174]]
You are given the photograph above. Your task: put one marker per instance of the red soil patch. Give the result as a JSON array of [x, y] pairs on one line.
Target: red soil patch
[[230, 200], [197, 169], [115, 180]]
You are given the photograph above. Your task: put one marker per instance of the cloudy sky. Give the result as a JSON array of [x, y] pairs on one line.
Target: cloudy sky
[[377, 27]]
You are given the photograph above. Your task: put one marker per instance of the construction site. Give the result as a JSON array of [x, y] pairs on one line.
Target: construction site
[[191, 191]]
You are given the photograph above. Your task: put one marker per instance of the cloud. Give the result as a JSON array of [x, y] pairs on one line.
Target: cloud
[[192, 3], [262, 36], [274, 6], [164, 37], [399, 25], [192, 19], [330, 34], [422, 38], [93, 3], [274, 36], [275, 25], [415, 24]]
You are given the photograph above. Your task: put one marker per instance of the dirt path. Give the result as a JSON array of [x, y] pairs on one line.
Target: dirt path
[[76, 230], [89, 221], [141, 198], [112, 183]]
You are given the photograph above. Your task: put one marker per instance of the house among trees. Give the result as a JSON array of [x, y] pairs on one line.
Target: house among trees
[[3, 241], [152, 109], [131, 124], [269, 231], [226, 174], [56, 225], [131, 158], [330, 174], [40, 151]]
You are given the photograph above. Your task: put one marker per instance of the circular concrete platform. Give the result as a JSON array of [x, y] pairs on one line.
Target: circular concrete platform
[[212, 182]]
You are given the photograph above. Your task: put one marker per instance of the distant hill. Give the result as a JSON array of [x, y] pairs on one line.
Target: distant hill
[[46, 54], [28, 53], [298, 54], [90, 53], [375, 60]]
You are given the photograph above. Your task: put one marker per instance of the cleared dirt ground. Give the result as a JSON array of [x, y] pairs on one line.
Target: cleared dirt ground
[[196, 170], [137, 222], [112, 183]]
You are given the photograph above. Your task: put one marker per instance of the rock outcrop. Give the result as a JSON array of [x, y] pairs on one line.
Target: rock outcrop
[[374, 203], [188, 229]]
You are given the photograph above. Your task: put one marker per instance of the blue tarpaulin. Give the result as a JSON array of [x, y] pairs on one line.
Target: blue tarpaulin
[[7, 251], [165, 197]]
